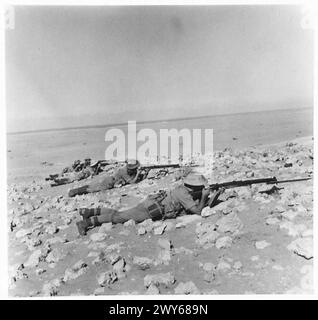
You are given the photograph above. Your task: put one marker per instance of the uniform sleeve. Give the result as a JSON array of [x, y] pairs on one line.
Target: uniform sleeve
[[185, 199]]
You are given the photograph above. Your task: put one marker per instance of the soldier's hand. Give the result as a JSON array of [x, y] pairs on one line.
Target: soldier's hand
[[205, 192], [221, 190]]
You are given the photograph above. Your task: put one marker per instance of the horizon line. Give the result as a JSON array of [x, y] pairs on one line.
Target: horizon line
[[147, 121]]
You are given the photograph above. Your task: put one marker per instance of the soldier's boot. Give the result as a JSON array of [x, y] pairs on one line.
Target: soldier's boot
[[78, 191], [82, 226], [87, 213]]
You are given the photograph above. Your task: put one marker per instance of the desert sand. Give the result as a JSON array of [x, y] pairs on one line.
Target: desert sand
[[250, 243]]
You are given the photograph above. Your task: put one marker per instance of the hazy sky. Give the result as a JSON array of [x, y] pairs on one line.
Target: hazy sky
[[111, 63]]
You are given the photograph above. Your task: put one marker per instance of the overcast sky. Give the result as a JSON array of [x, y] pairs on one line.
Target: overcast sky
[[104, 64]]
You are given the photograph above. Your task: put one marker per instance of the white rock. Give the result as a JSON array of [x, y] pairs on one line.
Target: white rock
[[290, 215], [229, 223], [107, 278], [98, 236], [165, 244], [186, 288], [307, 233], [130, 223], [159, 230], [51, 229], [152, 290], [237, 266], [270, 221], [277, 267], [261, 244], [302, 247], [165, 279], [207, 211], [105, 227], [54, 256], [223, 266], [78, 269], [143, 263], [34, 259], [141, 231], [22, 233], [223, 242]]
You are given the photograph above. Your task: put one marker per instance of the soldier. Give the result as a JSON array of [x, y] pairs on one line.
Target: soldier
[[129, 174], [70, 177], [163, 205]]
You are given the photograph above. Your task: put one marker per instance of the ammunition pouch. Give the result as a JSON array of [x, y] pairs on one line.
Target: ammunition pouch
[[155, 211], [154, 207]]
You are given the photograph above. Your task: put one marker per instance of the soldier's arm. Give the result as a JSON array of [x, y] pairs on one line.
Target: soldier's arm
[[196, 209]]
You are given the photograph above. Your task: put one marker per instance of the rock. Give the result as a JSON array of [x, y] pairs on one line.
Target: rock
[[206, 233], [165, 279], [208, 267], [165, 244], [142, 263], [105, 227], [33, 243], [169, 225], [51, 288], [229, 223], [237, 266], [207, 211], [130, 223], [160, 230], [290, 215], [125, 232], [293, 229], [54, 256], [147, 224], [186, 288], [78, 269], [107, 278], [254, 258], [119, 267], [223, 266], [99, 291], [152, 290], [51, 229], [302, 247], [223, 242], [141, 231], [34, 259], [40, 271], [22, 233], [208, 238], [307, 233], [261, 244], [271, 221], [277, 267], [98, 236]]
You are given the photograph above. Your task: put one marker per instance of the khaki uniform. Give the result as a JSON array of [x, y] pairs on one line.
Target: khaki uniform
[[163, 205], [73, 176], [121, 177]]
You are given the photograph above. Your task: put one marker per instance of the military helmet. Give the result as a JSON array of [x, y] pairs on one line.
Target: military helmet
[[195, 180], [132, 164], [94, 164]]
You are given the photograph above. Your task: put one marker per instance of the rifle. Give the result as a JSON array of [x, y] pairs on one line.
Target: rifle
[[244, 183]]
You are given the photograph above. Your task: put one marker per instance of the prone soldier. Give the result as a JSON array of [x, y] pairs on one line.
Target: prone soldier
[[129, 174], [188, 198]]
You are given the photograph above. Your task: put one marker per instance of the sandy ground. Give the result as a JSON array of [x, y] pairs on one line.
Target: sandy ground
[[251, 243]]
